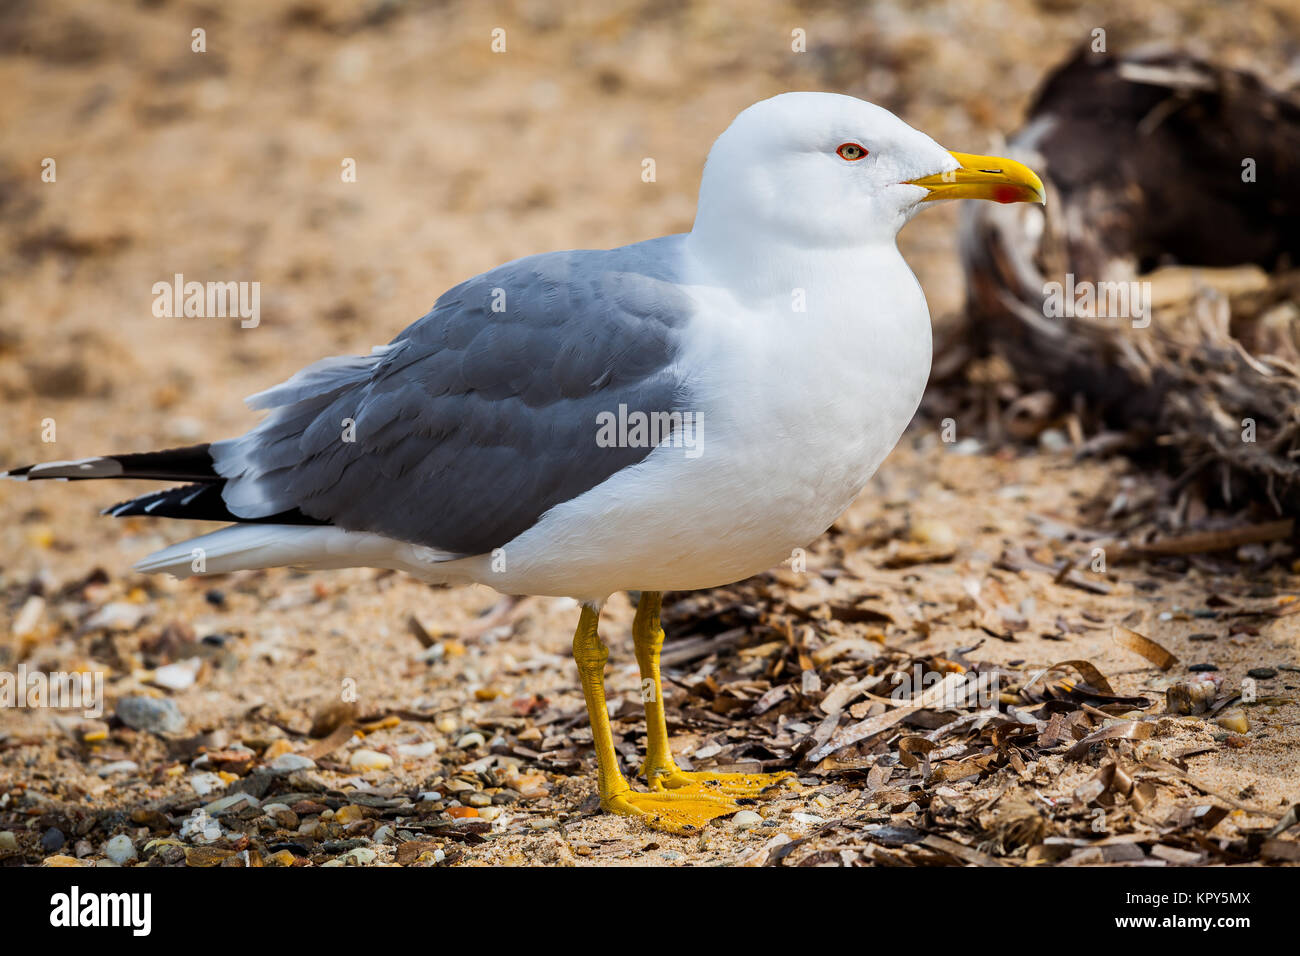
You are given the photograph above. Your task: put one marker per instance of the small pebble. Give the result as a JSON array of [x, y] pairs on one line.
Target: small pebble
[[417, 751], [370, 760], [205, 782], [489, 813], [349, 814], [1235, 721], [235, 800], [198, 827], [746, 820], [308, 781], [120, 849], [937, 533], [289, 762], [470, 740], [282, 815], [8, 840], [117, 616], [1198, 668], [1261, 673], [478, 799], [275, 748], [358, 857], [29, 617], [152, 714], [530, 785], [52, 839], [118, 766], [178, 676]]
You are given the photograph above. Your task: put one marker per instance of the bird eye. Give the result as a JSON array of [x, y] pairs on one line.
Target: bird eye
[[851, 151]]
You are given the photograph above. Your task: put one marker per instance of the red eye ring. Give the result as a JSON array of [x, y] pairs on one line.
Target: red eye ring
[[848, 150]]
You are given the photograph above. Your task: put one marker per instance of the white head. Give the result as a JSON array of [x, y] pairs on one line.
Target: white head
[[827, 170]]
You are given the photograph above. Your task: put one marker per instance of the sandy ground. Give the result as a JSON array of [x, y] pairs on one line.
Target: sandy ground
[[226, 165]]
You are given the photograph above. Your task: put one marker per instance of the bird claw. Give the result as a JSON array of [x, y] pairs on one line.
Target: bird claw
[[720, 784], [671, 811]]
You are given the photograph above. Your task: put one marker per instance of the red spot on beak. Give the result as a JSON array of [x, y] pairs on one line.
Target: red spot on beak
[[1006, 194]]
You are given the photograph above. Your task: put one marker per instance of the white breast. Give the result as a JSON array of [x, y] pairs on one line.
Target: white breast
[[798, 411]]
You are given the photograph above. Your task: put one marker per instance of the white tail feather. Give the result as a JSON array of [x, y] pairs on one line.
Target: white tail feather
[[247, 547]]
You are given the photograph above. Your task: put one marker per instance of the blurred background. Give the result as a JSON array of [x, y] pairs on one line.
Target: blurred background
[[225, 165]]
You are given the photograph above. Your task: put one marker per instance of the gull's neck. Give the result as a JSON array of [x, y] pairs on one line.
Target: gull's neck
[[757, 266]]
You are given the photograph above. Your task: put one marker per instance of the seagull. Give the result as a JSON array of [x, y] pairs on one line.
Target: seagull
[[676, 414]]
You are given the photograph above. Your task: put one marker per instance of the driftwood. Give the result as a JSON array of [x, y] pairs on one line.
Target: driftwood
[[1157, 288]]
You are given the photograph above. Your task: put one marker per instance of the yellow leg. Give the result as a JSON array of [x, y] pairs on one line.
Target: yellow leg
[[660, 770], [671, 812]]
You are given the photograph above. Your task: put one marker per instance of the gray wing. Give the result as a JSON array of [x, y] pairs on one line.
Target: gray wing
[[481, 415]]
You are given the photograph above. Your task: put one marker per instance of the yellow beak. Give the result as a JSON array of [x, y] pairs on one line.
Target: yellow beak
[[984, 177]]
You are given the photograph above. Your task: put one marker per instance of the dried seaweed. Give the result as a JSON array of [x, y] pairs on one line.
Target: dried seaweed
[[1207, 377]]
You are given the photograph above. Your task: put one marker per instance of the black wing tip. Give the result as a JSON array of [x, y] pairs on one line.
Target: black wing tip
[[175, 502], [200, 501]]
